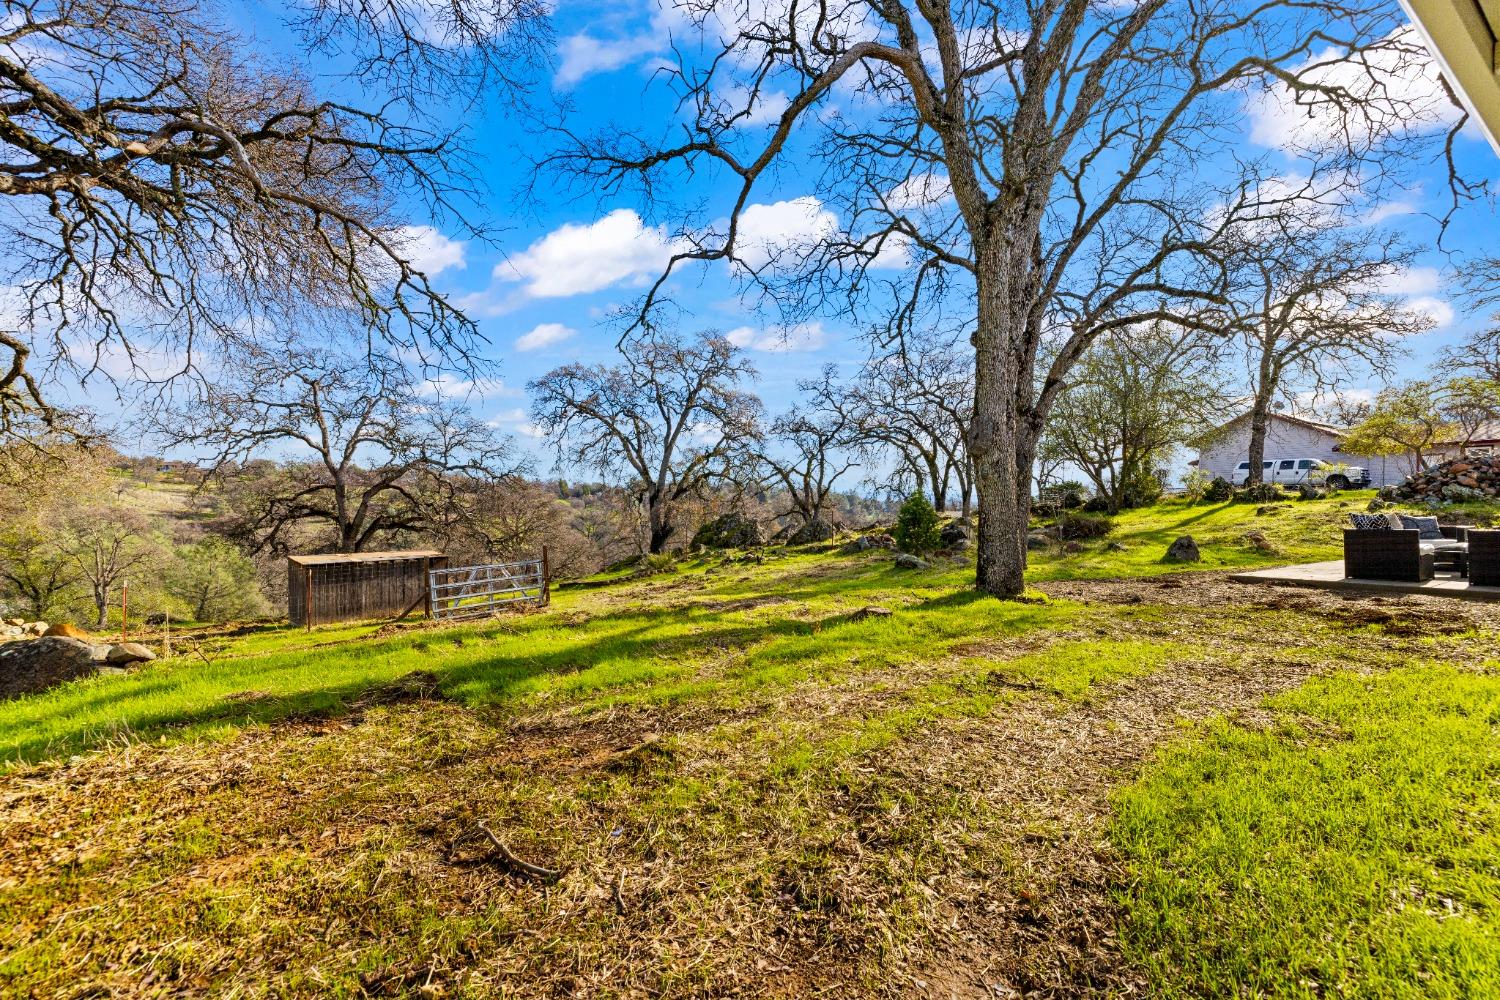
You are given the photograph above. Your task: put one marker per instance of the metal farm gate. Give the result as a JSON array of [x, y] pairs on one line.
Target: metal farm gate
[[472, 591]]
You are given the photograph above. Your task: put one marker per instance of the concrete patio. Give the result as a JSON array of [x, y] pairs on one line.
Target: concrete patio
[[1330, 576]]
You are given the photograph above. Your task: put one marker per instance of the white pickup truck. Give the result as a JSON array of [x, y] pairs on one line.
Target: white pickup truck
[[1292, 471]]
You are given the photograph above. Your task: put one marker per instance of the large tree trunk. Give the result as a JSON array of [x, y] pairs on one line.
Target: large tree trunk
[[660, 526], [1260, 417], [1004, 490]]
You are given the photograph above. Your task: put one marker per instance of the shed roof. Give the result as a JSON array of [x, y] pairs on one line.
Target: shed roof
[[333, 558]]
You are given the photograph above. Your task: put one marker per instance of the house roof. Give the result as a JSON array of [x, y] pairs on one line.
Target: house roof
[[1487, 432], [396, 555], [1301, 421], [1462, 37]]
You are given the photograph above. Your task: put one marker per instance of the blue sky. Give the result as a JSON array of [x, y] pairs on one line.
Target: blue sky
[[544, 292], [563, 262]]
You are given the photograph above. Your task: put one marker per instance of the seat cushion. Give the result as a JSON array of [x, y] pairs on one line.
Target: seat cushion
[[1370, 522], [1427, 527]]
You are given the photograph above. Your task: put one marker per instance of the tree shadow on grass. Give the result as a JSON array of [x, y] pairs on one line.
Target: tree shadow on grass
[[476, 675], [641, 649]]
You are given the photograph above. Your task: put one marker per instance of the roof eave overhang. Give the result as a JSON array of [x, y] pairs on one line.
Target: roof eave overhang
[[1462, 40]]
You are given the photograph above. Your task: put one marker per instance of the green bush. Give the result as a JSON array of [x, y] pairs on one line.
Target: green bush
[[1095, 505], [1196, 484], [215, 582], [1219, 491], [1077, 527], [916, 526], [1142, 489]]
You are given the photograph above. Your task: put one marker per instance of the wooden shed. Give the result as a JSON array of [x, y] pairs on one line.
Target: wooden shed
[[358, 585]]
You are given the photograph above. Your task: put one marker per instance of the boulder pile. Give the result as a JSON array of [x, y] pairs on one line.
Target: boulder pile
[[35, 664], [1469, 478], [20, 628]]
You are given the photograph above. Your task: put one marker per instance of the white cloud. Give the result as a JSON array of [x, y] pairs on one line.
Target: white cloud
[[895, 252], [1390, 210], [1435, 309], [446, 385], [574, 259], [769, 232], [1418, 286], [798, 338], [430, 251], [920, 191], [544, 335], [766, 109], [1397, 85], [1412, 281], [518, 421], [583, 55]]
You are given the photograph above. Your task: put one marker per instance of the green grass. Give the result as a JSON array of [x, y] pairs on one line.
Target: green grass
[[716, 643], [655, 639], [1299, 531], [1352, 848], [775, 774]]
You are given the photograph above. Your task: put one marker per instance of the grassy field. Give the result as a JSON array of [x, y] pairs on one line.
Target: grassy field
[[748, 785]]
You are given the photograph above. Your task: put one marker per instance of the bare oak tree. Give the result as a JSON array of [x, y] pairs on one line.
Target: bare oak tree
[[809, 447], [670, 418], [1311, 300], [107, 542], [913, 404], [172, 189], [382, 458], [1054, 145]]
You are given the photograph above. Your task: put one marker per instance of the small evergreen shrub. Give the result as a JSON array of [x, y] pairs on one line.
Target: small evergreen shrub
[[1095, 505], [916, 526], [1142, 489], [1079, 527], [1219, 491], [1044, 511]]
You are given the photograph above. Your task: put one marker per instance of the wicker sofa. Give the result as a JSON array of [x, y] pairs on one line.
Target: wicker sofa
[[1402, 554], [1484, 558], [1387, 555]]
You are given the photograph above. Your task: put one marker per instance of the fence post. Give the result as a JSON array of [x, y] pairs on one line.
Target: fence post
[[427, 584], [546, 579]]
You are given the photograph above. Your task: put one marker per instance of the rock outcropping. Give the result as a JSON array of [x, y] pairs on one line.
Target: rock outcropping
[[37, 664], [729, 531]]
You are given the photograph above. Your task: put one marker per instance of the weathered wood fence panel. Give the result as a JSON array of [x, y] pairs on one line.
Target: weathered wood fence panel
[[357, 586], [472, 591]]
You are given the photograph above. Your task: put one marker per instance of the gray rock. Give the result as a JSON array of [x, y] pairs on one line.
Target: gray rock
[[865, 543], [38, 664], [908, 561], [128, 652], [1036, 541], [729, 531], [1117, 547], [816, 530], [873, 611], [1183, 550], [955, 534]]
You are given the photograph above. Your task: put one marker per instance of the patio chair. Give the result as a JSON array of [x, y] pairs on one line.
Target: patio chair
[[1397, 554], [1484, 558]]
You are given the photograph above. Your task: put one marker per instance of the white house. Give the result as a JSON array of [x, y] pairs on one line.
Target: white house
[[1289, 437]]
